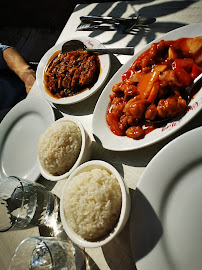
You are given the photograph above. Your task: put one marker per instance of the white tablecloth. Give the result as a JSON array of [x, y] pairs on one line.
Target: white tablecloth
[[169, 15]]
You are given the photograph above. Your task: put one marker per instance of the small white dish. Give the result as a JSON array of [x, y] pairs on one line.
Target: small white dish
[[84, 154], [104, 71], [125, 209], [101, 130], [166, 219], [19, 134]]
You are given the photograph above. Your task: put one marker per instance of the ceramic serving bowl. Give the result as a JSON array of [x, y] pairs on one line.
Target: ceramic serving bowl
[[124, 212], [104, 61], [84, 154]]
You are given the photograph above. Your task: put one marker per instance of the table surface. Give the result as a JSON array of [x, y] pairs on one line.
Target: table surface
[[169, 16]]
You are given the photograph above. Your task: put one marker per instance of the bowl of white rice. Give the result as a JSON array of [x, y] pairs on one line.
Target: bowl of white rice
[[62, 148], [95, 204]]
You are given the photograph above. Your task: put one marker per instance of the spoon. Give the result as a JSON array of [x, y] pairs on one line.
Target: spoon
[[74, 45], [187, 94]]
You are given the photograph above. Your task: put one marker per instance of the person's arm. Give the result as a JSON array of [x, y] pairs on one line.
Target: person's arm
[[16, 62]]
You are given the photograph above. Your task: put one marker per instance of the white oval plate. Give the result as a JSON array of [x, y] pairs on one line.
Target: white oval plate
[[166, 220], [101, 130], [104, 71], [19, 134]]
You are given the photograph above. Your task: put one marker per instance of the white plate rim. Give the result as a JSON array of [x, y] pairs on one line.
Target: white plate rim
[[112, 142], [171, 159], [105, 64], [26, 106]]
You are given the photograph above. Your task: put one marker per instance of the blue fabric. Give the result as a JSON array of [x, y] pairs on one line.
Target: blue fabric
[[12, 89], [2, 62]]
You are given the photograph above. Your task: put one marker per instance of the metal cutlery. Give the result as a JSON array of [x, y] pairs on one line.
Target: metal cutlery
[[121, 25], [100, 19], [73, 45]]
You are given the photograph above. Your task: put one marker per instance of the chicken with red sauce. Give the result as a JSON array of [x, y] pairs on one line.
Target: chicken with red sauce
[[153, 86]]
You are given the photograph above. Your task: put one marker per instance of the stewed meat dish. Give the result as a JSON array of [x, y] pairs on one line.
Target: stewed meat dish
[[153, 86], [71, 73]]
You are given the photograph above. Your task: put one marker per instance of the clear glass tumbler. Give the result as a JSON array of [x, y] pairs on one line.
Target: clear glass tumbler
[[24, 204], [47, 253]]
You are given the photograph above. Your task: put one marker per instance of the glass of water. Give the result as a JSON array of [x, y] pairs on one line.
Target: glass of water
[[47, 253], [24, 204]]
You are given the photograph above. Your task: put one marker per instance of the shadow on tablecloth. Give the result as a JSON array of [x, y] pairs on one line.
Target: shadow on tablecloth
[[154, 10], [138, 238]]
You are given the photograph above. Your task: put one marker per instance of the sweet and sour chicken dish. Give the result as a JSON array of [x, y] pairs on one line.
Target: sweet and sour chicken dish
[[153, 86], [71, 73]]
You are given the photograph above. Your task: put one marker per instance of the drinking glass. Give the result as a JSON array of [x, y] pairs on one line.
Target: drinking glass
[[47, 253], [24, 204]]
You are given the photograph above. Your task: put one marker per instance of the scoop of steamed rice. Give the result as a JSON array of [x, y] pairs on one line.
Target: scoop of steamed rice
[[59, 147], [92, 204]]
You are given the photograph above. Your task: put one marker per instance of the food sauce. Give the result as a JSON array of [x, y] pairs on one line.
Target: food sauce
[[153, 87], [71, 73]]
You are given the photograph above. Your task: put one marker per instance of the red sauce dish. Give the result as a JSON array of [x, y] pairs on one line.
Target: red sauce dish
[[71, 73], [153, 87]]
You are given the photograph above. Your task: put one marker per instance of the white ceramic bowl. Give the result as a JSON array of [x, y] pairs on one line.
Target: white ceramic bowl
[[84, 154], [104, 71], [125, 209]]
